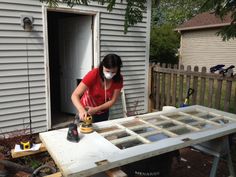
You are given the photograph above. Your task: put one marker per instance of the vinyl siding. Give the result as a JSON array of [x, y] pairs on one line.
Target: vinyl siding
[[205, 48], [14, 103], [14, 96]]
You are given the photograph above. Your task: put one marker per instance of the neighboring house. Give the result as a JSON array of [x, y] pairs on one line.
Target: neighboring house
[[64, 44], [201, 46]]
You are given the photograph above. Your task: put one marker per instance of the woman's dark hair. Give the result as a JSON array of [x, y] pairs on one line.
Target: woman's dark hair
[[111, 61]]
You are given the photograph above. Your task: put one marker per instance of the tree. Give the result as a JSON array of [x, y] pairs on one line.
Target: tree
[[133, 12], [164, 44], [222, 8], [175, 12], [165, 17]]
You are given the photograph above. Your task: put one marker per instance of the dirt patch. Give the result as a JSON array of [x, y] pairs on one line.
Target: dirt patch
[[197, 164], [41, 164]]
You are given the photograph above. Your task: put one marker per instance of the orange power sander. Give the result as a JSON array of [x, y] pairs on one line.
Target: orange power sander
[[86, 126]]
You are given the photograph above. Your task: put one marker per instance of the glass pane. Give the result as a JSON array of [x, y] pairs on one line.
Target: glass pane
[[181, 131], [175, 116], [207, 116], [168, 125], [129, 144], [132, 123], [143, 130], [188, 120], [107, 129], [114, 136], [157, 137]]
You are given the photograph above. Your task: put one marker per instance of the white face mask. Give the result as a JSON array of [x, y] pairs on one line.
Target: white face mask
[[109, 75]]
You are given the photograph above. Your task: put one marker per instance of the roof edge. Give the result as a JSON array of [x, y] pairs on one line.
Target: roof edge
[[201, 27]]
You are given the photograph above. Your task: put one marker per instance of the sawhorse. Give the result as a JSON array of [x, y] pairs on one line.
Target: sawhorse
[[217, 148]]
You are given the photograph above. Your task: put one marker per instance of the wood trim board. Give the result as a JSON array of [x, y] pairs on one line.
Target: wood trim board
[[118, 142]]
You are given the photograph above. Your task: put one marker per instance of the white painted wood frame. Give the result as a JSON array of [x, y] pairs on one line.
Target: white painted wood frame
[[118, 142], [96, 47]]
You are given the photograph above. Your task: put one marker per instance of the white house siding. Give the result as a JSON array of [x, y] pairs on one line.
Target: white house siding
[[205, 48], [14, 104]]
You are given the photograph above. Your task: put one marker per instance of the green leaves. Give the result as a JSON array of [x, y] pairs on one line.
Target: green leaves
[[175, 12], [164, 44], [223, 8], [133, 12]]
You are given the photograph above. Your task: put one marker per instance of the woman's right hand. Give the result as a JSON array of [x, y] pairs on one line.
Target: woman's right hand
[[83, 114]]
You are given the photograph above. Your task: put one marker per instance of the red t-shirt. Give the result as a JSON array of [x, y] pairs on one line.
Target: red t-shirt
[[95, 94]]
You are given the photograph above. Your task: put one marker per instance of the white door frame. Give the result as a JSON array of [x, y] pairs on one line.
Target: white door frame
[[96, 47]]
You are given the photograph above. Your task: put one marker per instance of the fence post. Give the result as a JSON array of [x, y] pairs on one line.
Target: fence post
[[174, 88], [195, 86], [150, 88], [181, 83], [203, 87], [218, 94], [188, 76], [157, 106], [163, 87], [168, 86], [227, 95], [211, 92]]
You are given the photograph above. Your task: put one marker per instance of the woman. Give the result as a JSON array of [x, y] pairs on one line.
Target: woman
[[99, 89]]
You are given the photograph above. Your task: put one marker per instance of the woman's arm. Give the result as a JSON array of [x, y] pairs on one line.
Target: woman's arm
[[107, 105], [75, 97]]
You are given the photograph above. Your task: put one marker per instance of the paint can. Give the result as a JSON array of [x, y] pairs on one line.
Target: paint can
[[168, 108]]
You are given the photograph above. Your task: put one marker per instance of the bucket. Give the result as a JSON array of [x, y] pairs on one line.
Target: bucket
[[168, 108], [158, 166]]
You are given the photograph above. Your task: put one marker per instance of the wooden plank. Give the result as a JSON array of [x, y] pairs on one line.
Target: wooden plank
[[203, 87], [181, 83], [188, 77], [168, 87], [195, 87], [211, 92], [27, 153], [163, 87], [227, 95], [157, 84], [174, 88], [150, 88], [116, 172], [234, 100], [218, 94], [58, 174]]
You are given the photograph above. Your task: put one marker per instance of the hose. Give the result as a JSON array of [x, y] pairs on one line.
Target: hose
[[36, 171]]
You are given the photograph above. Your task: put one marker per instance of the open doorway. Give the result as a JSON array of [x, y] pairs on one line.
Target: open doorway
[[70, 47]]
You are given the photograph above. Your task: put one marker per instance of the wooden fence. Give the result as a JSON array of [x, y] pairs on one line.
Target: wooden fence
[[169, 85]]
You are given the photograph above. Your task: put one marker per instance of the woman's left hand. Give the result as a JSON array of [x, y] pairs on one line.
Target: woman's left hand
[[91, 110]]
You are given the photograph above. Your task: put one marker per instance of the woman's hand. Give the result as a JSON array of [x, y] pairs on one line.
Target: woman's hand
[[91, 110], [83, 114]]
